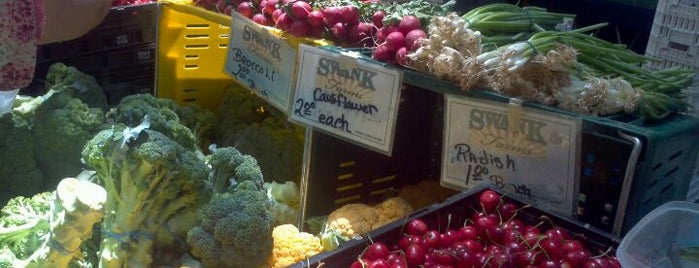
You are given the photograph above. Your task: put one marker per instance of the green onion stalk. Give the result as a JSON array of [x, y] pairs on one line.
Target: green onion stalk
[[503, 24], [607, 70]]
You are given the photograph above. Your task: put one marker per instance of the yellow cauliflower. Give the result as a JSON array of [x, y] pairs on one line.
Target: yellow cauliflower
[[292, 246], [352, 219], [392, 209]]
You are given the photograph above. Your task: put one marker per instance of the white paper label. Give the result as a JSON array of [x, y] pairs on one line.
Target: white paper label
[[527, 153], [353, 99], [261, 61]]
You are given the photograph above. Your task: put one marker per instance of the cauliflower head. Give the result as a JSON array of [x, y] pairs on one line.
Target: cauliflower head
[[291, 246], [352, 219]]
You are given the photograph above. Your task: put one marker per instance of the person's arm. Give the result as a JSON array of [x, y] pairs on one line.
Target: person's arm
[[70, 19]]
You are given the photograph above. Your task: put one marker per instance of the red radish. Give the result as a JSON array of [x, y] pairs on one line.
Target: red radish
[[489, 199], [276, 14], [315, 18], [349, 14], [316, 32], [377, 18], [395, 40], [408, 23], [376, 251], [284, 22], [260, 18], [402, 56], [412, 38], [245, 9], [221, 5], [339, 31], [300, 10], [268, 6], [299, 28], [227, 10], [332, 15], [416, 227], [383, 32]]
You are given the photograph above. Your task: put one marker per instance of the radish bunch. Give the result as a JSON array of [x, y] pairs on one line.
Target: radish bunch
[[396, 40], [492, 237]]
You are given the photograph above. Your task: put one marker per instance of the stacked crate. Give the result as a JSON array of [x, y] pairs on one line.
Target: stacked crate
[[120, 53], [674, 41]]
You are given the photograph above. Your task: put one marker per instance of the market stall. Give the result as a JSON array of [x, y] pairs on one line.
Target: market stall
[[352, 134]]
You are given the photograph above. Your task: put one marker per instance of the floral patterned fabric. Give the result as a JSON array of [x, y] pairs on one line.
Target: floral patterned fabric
[[21, 22]]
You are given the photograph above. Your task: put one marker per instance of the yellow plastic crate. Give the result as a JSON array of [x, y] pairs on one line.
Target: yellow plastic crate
[[192, 44], [192, 47]]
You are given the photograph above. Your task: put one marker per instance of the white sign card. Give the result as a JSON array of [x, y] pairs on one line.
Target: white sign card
[[261, 61], [350, 98], [526, 153]]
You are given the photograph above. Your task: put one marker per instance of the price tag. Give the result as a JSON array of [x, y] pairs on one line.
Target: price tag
[[350, 98], [261, 61], [524, 152]]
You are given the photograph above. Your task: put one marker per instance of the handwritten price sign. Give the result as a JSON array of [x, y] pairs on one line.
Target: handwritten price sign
[[523, 152], [261, 61], [352, 99]]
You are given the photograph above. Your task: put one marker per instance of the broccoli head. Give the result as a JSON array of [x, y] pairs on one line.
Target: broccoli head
[[256, 128], [240, 107], [201, 121], [277, 145], [62, 126], [162, 114], [235, 227], [19, 172], [78, 84], [149, 178]]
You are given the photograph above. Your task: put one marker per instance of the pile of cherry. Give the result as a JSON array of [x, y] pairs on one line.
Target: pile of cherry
[[492, 237]]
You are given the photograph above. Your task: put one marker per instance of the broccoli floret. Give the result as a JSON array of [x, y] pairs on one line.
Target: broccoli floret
[[77, 84], [62, 126], [240, 107], [47, 230], [149, 179], [201, 121], [162, 114], [277, 145], [19, 172], [256, 128], [235, 227]]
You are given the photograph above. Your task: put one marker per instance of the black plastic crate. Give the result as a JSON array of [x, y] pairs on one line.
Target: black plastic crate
[[341, 172], [454, 211]]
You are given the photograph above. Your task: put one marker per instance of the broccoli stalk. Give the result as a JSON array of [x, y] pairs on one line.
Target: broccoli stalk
[[149, 179], [77, 207], [51, 237]]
